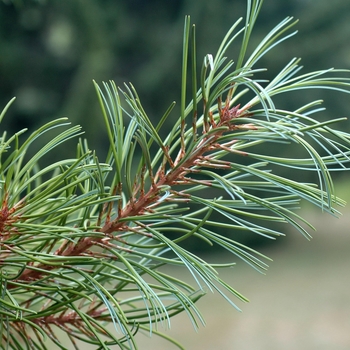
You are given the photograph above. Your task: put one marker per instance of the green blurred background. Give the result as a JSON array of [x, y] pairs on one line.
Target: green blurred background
[[51, 50]]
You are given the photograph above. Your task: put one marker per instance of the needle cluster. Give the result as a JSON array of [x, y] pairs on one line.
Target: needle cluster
[[83, 241]]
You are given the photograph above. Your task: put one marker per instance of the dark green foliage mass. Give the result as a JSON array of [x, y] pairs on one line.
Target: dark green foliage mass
[[51, 50]]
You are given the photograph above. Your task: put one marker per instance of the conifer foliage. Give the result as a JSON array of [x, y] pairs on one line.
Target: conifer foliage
[[83, 240]]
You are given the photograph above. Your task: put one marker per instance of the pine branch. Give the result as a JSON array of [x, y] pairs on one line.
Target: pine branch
[[83, 242]]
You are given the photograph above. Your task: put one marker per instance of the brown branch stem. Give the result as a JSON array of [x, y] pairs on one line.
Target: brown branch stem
[[139, 206]]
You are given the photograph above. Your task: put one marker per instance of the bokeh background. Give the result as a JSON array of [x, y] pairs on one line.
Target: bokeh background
[[51, 50]]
